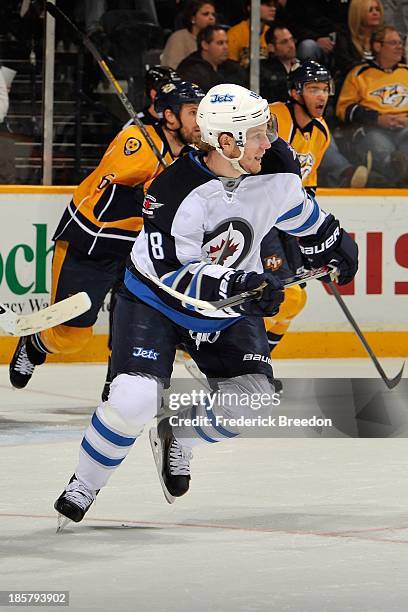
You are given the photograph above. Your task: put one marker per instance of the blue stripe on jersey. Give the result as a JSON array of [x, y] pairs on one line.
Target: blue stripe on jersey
[[193, 287], [293, 212], [169, 280], [219, 428], [144, 293], [313, 217], [109, 435], [98, 456]]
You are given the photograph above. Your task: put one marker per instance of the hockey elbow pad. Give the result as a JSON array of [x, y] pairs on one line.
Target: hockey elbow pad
[[332, 245]]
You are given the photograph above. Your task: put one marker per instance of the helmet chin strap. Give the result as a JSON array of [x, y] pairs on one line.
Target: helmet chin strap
[[234, 161], [303, 106]]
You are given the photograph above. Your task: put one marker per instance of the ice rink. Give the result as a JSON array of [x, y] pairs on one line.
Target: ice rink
[[300, 524]]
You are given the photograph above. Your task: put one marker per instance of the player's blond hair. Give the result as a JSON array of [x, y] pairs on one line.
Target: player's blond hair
[[358, 9]]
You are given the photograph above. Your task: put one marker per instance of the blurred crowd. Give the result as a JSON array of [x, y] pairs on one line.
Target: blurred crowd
[[361, 43]]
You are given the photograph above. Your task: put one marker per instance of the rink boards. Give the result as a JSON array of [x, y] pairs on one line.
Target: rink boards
[[377, 297]]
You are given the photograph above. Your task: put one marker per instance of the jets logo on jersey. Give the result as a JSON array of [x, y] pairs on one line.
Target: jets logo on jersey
[[272, 262], [132, 145], [150, 204], [392, 95], [306, 161], [229, 243]]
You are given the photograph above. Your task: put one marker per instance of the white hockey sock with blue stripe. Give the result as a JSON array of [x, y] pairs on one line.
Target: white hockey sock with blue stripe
[[103, 449]]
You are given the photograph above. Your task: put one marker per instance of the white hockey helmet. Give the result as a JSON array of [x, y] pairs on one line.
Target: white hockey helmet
[[230, 108]]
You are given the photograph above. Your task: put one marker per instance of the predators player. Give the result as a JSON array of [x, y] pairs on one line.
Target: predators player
[[100, 224], [300, 122]]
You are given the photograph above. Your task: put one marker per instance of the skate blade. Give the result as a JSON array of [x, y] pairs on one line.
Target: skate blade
[[158, 459], [62, 522]]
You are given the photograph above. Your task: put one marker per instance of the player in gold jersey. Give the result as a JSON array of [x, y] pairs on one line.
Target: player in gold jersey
[[98, 228], [300, 122]]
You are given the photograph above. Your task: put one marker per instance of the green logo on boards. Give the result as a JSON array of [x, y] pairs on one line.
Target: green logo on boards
[[21, 254]]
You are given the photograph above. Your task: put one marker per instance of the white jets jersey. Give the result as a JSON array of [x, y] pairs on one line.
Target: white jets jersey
[[197, 233]]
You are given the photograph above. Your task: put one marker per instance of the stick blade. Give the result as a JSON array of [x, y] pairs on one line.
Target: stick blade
[[393, 382], [58, 313], [7, 320]]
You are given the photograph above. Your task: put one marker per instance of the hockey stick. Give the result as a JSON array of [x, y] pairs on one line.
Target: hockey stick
[[86, 41], [390, 382], [60, 312], [241, 298]]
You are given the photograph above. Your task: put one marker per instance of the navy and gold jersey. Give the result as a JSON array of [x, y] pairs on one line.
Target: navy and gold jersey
[[310, 143], [369, 90], [105, 214]]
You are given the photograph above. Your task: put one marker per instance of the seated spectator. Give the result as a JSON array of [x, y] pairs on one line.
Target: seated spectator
[[300, 122], [281, 60], [353, 44], [239, 35], [198, 14], [314, 24], [374, 97], [210, 65]]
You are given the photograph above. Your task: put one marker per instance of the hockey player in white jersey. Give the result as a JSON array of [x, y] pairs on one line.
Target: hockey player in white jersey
[[204, 219]]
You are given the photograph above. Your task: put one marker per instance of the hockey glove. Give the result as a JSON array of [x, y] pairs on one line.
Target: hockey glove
[[331, 245], [272, 295]]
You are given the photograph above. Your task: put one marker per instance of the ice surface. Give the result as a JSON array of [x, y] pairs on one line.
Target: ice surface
[[299, 524]]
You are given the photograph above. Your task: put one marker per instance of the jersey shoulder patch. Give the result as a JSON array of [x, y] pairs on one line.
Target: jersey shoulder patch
[[132, 145]]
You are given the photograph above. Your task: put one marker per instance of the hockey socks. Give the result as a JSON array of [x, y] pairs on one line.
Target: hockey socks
[[103, 449]]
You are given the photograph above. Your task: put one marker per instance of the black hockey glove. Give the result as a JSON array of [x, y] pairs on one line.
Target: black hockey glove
[[331, 245], [272, 295]]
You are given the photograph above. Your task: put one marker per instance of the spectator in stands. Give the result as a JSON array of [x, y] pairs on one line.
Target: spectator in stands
[[7, 153], [314, 24], [281, 60], [198, 14], [353, 44], [239, 35], [375, 97], [210, 66]]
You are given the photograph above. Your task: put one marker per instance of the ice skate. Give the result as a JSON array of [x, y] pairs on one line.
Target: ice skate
[[24, 360], [172, 461], [73, 503]]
